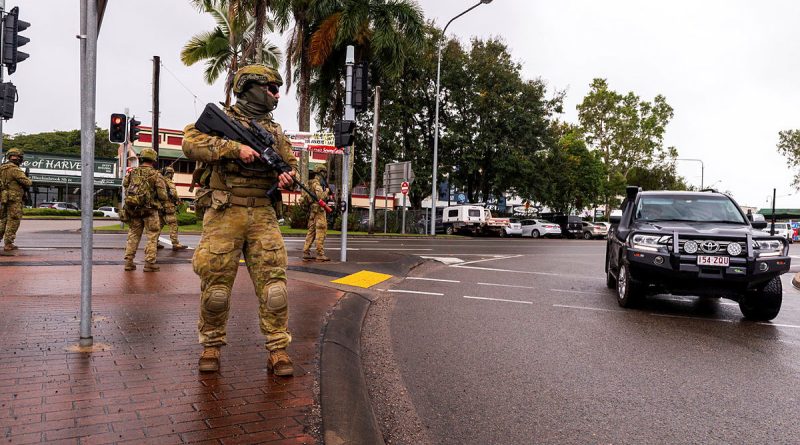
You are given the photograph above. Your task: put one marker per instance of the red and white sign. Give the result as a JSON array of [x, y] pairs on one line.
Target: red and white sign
[[403, 187], [320, 142]]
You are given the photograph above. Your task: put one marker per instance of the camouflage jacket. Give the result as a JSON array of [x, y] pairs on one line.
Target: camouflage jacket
[[157, 184], [321, 192], [13, 182], [171, 204], [220, 154]]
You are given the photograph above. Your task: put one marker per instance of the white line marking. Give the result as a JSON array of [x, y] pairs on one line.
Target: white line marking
[[460, 266], [587, 308], [691, 318], [498, 299], [400, 291], [443, 259], [167, 241], [432, 279], [577, 292], [390, 249], [490, 259], [507, 285], [779, 325]]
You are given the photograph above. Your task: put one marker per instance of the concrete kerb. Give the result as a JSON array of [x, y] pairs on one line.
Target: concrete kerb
[[796, 281]]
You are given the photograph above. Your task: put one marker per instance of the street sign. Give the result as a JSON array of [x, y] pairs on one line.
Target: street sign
[[395, 174], [404, 188]]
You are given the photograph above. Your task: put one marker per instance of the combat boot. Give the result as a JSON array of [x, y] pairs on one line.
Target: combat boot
[[159, 246], [307, 255], [178, 246], [322, 257], [9, 247], [151, 267], [129, 265], [280, 363], [209, 359]]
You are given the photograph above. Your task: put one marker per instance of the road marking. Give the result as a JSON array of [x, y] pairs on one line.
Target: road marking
[[491, 269], [491, 259], [432, 279], [443, 260], [498, 299], [691, 318], [167, 241], [507, 285], [364, 278], [587, 308], [401, 291], [391, 249], [779, 325], [577, 292]]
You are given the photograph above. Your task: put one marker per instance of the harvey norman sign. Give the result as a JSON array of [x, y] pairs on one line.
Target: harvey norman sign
[[66, 165]]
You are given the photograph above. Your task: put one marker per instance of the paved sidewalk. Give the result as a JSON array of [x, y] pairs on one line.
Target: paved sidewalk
[[140, 383]]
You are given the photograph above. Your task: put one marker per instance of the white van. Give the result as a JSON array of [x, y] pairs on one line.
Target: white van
[[472, 219]]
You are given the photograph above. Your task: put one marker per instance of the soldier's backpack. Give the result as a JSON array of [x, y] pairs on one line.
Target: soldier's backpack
[[139, 194]]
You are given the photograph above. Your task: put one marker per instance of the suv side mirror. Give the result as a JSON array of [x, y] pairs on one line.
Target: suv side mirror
[[615, 219], [759, 224]]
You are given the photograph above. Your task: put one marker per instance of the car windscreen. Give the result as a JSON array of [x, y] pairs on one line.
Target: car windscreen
[[691, 208]]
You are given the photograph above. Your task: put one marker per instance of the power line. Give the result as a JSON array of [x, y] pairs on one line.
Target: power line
[[194, 100]]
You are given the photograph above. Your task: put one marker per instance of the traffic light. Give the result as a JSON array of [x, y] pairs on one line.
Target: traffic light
[[12, 25], [343, 133], [8, 95], [116, 131], [360, 98], [133, 129]]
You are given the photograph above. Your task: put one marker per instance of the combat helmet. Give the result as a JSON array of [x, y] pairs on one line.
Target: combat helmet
[[255, 73], [169, 171], [148, 154], [14, 152], [320, 168]]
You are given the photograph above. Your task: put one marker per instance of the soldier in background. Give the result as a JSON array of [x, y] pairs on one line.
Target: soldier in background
[[317, 218], [13, 186], [170, 208], [146, 194], [241, 219]]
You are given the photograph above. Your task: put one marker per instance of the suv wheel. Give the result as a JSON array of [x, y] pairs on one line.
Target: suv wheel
[[502, 233], [764, 303], [535, 234], [587, 235], [628, 292], [448, 230], [611, 282]]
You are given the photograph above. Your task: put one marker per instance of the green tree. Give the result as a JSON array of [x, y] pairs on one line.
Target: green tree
[[789, 147], [60, 142], [230, 43]]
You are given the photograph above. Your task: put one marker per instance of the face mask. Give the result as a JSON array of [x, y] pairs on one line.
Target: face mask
[[16, 160], [256, 102]]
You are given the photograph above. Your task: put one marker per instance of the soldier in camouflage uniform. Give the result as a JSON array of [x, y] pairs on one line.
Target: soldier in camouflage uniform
[[317, 218], [13, 185], [145, 219], [240, 220], [170, 208]]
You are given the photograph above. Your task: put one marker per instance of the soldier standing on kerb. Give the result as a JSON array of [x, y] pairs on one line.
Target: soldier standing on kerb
[[13, 186], [240, 219], [145, 193], [168, 216], [317, 218]]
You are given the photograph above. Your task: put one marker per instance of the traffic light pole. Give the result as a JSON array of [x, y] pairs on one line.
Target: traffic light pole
[[124, 170], [349, 115], [2, 36]]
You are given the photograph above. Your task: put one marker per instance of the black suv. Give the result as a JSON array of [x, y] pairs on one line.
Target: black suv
[[694, 243]]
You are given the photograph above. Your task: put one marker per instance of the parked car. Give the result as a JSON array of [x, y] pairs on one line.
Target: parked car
[[536, 228], [109, 212], [514, 228], [472, 219], [571, 225], [592, 230], [694, 243], [424, 224], [783, 229], [59, 206]]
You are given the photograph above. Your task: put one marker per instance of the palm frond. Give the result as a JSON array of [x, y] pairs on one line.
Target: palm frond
[[323, 40]]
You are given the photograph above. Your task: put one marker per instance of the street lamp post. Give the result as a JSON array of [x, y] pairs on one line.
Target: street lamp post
[[436, 124], [702, 168]]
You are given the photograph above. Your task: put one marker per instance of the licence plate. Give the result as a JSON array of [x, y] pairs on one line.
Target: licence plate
[[707, 260]]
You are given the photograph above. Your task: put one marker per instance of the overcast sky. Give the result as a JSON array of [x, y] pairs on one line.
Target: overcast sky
[[730, 69]]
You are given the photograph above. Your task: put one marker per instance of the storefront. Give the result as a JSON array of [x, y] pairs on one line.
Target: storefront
[[58, 178]]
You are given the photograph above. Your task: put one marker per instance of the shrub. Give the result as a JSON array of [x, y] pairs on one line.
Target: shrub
[[186, 219], [298, 217], [56, 212]]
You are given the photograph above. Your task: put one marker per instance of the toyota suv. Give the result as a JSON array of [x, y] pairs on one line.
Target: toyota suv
[[694, 243]]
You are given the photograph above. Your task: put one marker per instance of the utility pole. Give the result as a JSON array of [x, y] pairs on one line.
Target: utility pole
[[124, 169], [156, 81], [375, 122], [349, 115], [2, 36]]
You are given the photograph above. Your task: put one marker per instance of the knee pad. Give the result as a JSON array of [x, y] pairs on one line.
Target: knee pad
[[217, 299], [277, 298]]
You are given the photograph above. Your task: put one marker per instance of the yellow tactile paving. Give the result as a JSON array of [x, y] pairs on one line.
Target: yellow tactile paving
[[363, 279]]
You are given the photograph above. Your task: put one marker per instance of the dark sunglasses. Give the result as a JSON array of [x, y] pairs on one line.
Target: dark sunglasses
[[272, 88]]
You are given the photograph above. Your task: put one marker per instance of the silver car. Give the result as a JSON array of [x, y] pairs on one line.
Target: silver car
[[513, 229], [594, 230], [536, 228]]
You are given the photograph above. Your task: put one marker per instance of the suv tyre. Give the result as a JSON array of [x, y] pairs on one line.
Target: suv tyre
[[587, 235], [628, 292], [611, 282], [448, 230], [764, 303]]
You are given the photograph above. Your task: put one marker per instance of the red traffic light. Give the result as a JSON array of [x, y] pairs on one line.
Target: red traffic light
[[117, 131], [116, 120]]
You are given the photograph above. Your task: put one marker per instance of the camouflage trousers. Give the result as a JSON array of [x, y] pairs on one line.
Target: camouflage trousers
[[169, 218], [10, 215], [148, 223], [317, 228], [227, 234]]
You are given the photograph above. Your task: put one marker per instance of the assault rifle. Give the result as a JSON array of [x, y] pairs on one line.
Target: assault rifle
[[215, 122]]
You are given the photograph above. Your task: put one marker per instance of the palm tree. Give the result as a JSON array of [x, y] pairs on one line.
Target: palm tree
[[230, 43]]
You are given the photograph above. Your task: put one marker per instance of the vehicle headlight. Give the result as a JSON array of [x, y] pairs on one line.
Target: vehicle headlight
[[645, 242], [734, 249], [769, 247], [690, 247]]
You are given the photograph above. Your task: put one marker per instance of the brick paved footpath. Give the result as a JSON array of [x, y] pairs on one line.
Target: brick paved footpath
[[140, 385]]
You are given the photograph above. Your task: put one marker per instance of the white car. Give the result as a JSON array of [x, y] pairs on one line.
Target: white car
[[783, 229], [109, 212], [514, 228], [537, 228]]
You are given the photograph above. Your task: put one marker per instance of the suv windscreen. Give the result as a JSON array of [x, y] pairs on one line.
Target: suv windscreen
[[691, 208]]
